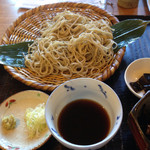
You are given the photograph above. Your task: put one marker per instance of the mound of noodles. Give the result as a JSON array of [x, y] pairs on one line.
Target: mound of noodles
[[71, 44]]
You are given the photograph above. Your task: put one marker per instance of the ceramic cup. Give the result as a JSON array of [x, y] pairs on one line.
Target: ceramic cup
[[128, 3], [83, 88]]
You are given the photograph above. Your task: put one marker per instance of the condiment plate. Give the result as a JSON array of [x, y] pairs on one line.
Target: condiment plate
[[17, 104], [134, 71]]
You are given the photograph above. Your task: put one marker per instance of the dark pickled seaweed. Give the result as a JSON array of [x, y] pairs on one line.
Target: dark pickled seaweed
[[145, 79], [143, 83], [136, 86]]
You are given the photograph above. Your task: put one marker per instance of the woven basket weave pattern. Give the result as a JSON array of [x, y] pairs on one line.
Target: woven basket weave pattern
[[27, 27]]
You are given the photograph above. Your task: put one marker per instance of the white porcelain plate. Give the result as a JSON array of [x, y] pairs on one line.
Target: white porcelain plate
[[134, 71], [17, 139]]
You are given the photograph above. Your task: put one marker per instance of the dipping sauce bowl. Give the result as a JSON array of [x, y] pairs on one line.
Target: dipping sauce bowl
[[80, 92]]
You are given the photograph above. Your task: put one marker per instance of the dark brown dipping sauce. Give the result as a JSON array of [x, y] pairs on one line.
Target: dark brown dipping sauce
[[83, 122]]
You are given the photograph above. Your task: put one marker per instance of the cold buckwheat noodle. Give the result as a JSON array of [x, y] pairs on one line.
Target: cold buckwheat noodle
[[71, 44]]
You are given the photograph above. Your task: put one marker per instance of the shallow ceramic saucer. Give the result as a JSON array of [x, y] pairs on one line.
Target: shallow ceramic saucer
[[17, 104], [134, 71]]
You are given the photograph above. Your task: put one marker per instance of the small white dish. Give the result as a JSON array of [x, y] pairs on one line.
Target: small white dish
[[134, 71], [17, 104], [84, 88]]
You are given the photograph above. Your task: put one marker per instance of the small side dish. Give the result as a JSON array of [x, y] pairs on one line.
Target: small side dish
[[18, 137], [139, 122], [137, 76]]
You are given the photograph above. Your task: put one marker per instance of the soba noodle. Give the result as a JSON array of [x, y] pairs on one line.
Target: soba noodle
[[71, 44]]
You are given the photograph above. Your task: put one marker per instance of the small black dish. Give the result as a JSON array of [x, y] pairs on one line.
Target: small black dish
[[139, 122]]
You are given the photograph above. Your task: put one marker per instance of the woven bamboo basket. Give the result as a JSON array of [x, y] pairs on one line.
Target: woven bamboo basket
[[27, 27]]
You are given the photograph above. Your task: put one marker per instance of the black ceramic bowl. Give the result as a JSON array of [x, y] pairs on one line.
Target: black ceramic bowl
[[139, 119]]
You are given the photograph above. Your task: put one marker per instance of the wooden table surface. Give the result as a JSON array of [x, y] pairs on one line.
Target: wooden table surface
[[124, 140]]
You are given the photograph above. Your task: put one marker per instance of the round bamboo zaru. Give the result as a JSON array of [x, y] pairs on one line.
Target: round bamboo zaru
[[27, 27]]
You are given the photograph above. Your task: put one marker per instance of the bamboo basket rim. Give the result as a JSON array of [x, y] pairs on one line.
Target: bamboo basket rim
[[49, 84]]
